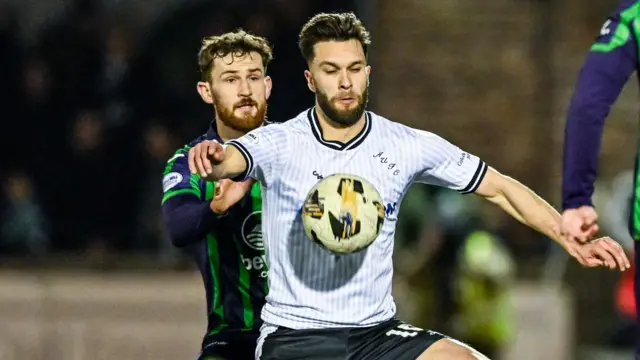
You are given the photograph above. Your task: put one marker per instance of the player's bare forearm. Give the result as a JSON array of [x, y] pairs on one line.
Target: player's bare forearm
[[521, 203]]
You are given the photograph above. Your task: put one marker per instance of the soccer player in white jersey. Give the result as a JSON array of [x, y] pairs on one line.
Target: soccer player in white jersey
[[326, 306]]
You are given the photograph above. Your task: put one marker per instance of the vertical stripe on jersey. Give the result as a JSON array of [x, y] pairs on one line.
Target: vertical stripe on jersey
[[214, 263], [209, 190], [244, 288], [635, 220], [256, 200], [244, 283], [256, 197]]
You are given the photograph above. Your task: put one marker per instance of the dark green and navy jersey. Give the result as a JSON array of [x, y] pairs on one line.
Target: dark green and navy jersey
[[228, 249], [611, 61]]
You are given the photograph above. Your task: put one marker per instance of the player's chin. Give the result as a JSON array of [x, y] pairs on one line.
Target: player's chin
[[248, 123]]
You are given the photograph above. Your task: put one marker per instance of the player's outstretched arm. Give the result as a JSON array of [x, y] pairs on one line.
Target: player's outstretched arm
[[213, 161], [530, 209], [610, 62]]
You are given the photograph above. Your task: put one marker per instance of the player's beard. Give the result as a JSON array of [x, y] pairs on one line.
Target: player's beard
[[243, 123], [343, 117]]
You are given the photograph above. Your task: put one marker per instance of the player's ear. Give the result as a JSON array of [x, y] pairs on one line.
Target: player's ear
[[268, 84], [204, 89], [310, 84]]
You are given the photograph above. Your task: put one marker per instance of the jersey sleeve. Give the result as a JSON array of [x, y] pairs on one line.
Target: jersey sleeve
[[611, 60], [263, 150], [185, 204], [439, 162], [177, 179]]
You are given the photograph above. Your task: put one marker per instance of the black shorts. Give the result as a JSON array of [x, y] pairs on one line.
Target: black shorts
[[230, 346], [390, 340]]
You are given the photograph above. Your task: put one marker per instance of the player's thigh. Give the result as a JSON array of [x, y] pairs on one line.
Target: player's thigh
[[288, 344], [450, 349]]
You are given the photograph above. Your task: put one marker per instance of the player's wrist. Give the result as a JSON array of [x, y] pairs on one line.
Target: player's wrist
[[575, 204], [577, 209]]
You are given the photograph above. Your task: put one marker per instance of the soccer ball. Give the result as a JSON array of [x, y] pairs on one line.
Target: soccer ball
[[343, 213]]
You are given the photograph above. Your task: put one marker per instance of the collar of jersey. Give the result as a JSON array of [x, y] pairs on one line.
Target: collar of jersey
[[212, 133], [338, 145]]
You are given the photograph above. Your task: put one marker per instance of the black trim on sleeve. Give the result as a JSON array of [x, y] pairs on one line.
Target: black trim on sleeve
[[476, 179], [247, 158]]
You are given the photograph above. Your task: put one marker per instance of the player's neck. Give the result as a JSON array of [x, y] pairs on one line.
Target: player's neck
[[334, 131], [227, 133]]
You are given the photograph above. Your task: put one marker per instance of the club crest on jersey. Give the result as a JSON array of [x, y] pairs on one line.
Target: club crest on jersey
[[252, 231]]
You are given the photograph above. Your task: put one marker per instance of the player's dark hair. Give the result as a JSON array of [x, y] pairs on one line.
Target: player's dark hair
[[238, 43], [332, 27]]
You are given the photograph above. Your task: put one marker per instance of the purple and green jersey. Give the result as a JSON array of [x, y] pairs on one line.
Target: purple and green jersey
[[611, 61], [228, 249]]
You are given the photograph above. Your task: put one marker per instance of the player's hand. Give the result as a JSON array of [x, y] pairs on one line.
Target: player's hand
[[579, 225], [204, 156], [603, 252], [227, 193]]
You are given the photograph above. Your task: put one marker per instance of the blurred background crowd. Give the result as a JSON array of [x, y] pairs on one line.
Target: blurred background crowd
[[95, 96], [94, 104]]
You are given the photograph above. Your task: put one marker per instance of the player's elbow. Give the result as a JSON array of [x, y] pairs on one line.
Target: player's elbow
[[494, 186], [179, 223], [178, 238], [177, 233]]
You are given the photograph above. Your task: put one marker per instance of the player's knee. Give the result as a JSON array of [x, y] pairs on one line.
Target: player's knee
[[448, 349]]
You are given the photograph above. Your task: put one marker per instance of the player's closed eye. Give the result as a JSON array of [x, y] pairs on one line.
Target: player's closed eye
[[355, 70], [230, 80]]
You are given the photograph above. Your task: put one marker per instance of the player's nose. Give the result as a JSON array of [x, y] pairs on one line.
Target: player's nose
[[345, 82], [244, 89]]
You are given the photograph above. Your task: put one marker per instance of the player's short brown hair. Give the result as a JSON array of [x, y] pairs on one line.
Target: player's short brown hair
[[332, 27], [238, 43]]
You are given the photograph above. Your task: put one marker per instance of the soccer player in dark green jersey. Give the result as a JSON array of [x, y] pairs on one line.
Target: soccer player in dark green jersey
[[612, 59], [220, 223]]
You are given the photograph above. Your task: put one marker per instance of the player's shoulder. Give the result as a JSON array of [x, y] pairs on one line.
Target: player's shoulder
[[178, 162], [289, 127], [398, 131], [298, 123], [176, 174], [624, 9], [194, 142]]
